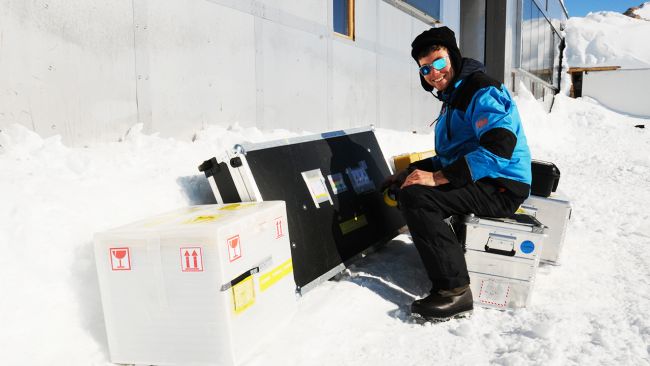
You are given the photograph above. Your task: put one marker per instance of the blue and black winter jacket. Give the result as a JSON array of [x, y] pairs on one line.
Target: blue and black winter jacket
[[479, 135]]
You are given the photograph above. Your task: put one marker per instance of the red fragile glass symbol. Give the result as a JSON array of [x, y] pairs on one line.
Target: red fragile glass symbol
[[120, 254], [234, 242]]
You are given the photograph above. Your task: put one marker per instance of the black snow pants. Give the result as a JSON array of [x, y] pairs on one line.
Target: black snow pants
[[425, 209]]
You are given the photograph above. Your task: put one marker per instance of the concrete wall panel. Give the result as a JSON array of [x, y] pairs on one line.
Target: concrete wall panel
[[66, 67], [449, 15], [89, 70], [634, 101], [354, 86], [295, 79], [366, 23], [472, 25], [309, 10], [200, 66], [395, 94], [395, 44]]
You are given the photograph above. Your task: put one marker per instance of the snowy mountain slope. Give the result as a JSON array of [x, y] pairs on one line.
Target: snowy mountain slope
[[642, 11]]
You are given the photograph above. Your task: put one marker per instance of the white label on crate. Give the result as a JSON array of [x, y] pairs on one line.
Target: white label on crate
[[120, 259], [279, 231], [192, 259], [234, 248], [494, 293], [316, 186], [337, 183]]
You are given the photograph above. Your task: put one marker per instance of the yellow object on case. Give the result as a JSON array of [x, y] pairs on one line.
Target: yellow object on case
[[402, 161]]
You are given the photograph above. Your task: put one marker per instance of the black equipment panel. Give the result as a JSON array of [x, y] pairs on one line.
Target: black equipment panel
[[327, 236]]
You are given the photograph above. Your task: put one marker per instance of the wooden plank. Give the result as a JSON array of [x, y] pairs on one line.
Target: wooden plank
[[595, 68]]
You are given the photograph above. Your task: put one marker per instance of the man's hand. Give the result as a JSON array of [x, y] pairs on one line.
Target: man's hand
[[425, 178], [395, 179]]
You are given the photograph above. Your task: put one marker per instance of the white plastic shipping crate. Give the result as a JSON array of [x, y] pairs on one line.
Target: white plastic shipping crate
[[502, 259], [554, 211], [200, 285]]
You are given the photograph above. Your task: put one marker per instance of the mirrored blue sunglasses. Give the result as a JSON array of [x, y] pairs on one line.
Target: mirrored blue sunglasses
[[437, 64]]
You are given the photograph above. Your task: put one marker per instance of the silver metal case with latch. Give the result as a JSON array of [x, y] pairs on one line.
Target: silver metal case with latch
[[502, 259], [555, 212]]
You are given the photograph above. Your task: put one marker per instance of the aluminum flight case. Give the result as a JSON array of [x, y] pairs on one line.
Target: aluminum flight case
[[502, 259], [330, 183], [555, 212]]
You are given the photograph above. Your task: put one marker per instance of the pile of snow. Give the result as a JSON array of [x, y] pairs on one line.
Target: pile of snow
[[608, 39], [590, 310]]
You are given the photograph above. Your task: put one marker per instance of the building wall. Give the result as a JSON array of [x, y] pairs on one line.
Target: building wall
[[89, 70], [599, 85], [67, 67], [450, 15], [472, 29]]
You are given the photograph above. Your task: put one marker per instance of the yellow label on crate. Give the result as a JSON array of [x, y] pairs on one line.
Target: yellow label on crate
[[269, 279], [236, 206], [203, 218], [243, 295], [353, 224]]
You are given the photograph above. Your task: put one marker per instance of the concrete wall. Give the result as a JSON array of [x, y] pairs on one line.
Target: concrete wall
[[472, 25], [512, 48], [89, 69], [601, 85], [450, 15], [67, 67]]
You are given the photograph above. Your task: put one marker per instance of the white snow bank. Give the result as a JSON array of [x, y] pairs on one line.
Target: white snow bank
[[591, 310], [53, 199], [608, 39]]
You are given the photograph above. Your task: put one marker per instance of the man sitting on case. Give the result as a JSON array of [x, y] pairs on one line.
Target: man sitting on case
[[482, 166]]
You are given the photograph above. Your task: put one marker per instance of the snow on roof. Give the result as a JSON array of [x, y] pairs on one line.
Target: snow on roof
[[609, 39]]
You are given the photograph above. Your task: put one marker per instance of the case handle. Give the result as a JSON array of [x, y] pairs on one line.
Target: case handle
[[260, 267], [501, 245]]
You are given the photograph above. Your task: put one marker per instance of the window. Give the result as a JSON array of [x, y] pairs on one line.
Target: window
[[539, 70], [526, 24], [428, 7], [344, 18], [539, 43]]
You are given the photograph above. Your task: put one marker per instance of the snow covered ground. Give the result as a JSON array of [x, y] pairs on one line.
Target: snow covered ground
[[593, 309]]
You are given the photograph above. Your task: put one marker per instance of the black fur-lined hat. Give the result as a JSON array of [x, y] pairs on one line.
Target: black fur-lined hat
[[442, 36]]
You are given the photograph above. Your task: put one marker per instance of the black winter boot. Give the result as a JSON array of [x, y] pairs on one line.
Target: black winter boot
[[445, 304]]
